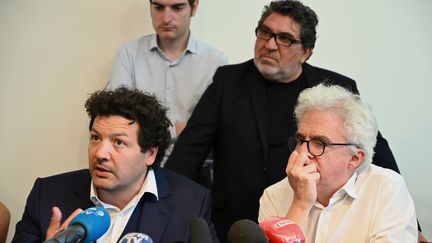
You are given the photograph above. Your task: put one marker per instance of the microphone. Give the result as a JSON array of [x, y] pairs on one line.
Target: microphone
[[246, 231], [86, 227], [136, 238], [282, 230], [199, 231]]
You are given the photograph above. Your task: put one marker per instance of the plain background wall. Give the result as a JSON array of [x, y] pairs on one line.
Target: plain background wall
[[54, 53]]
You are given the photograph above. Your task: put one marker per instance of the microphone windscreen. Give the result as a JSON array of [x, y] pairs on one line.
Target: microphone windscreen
[[282, 230], [136, 238], [246, 231], [199, 231], [96, 221]]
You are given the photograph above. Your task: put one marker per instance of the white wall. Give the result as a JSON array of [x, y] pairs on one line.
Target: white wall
[[53, 53]]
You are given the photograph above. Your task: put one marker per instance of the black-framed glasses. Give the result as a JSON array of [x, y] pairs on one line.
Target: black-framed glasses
[[315, 147], [283, 38]]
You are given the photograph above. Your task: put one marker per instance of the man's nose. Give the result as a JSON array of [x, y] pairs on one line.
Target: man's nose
[[103, 151], [167, 15], [303, 147], [271, 43]]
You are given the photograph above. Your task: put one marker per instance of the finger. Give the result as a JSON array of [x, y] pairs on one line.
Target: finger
[[297, 159], [310, 168], [316, 176], [73, 215], [55, 220], [55, 217], [291, 161], [302, 160]]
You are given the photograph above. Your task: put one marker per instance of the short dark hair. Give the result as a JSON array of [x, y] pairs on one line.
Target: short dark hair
[[300, 13], [191, 2], [139, 107]]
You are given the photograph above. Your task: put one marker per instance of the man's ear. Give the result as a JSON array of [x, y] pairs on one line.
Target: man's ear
[[194, 8], [356, 159], [150, 156], [307, 52]]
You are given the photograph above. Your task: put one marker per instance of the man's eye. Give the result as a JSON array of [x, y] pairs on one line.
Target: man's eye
[[318, 143], [266, 33], [285, 38], [178, 7], [119, 142], [157, 7], [94, 138]]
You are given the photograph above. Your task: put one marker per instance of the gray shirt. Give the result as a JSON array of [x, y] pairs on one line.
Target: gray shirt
[[177, 84]]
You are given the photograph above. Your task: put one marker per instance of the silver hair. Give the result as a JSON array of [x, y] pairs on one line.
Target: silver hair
[[360, 124]]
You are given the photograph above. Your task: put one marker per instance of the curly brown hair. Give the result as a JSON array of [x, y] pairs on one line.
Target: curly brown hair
[[136, 106]]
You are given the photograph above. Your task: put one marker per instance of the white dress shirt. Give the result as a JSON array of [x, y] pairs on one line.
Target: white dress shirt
[[373, 206], [120, 218]]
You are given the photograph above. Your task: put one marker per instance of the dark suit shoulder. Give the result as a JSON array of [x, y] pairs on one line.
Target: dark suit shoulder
[[316, 75], [178, 183], [71, 175], [238, 67], [234, 71]]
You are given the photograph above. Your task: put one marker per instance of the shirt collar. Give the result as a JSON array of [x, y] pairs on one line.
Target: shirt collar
[[149, 186], [349, 187], [191, 45]]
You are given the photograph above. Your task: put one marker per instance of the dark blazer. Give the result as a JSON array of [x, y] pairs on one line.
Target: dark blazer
[[231, 119], [166, 220]]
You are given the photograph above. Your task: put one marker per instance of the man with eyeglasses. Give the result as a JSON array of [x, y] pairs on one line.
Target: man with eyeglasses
[[332, 191], [246, 115]]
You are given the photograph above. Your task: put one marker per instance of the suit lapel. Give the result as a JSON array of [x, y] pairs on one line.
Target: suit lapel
[[155, 215], [256, 87], [80, 196]]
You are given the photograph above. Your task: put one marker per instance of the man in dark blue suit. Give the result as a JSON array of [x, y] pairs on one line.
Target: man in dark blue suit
[[129, 132]]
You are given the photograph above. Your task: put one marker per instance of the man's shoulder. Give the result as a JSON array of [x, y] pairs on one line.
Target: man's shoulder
[[279, 187], [136, 43], [209, 52], [177, 182], [381, 177], [319, 75], [204, 46], [379, 172], [238, 68], [78, 175]]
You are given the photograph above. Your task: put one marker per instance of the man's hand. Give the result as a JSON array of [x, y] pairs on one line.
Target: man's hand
[[54, 226], [303, 178]]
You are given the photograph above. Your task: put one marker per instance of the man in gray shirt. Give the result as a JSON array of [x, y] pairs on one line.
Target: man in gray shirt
[[171, 63]]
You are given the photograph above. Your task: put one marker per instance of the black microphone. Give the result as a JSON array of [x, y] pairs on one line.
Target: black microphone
[[86, 227], [246, 231], [136, 238], [199, 231]]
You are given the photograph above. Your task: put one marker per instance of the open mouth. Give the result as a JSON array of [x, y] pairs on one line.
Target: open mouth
[[101, 171]]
